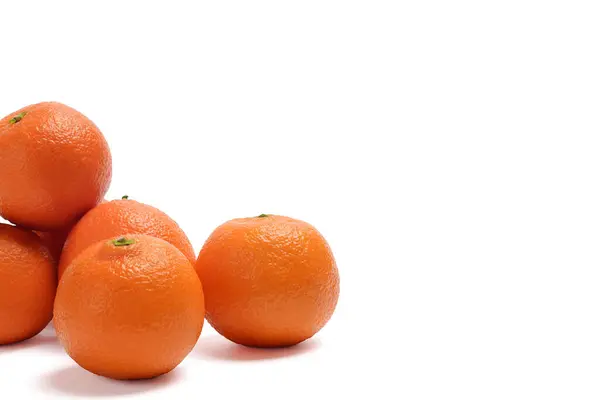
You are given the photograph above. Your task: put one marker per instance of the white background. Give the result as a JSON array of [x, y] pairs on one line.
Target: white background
[[448, 150]]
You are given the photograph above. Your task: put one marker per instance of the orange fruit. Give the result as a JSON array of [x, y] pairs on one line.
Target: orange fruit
[[129, 308], [27, 284], [55, 164], [120, 217], [268, 281], [54, 242]]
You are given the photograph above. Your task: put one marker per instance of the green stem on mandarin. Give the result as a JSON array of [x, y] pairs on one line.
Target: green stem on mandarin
[[123, 241], [17, 118], [263, 215], [125, 197]]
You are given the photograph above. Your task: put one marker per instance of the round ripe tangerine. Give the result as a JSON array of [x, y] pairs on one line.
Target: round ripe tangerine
[[129, 308], [55, 163], [268, 281]]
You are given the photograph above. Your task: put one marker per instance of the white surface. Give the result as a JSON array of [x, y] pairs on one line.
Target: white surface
[[447, 150]]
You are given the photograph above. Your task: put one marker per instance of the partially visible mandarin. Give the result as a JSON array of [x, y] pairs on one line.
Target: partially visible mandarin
[[121, 217], [54, 242], [27, 284]]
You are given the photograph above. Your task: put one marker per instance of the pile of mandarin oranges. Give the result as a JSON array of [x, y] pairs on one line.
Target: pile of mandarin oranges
[[119, 279]]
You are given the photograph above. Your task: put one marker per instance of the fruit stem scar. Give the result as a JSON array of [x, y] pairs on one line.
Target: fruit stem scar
[[17, 118], [263, 215], [125, 197], [123, 241]]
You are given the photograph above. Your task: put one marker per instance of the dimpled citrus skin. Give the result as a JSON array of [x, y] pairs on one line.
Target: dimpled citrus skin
[[55, 163], [27, 284], [129, 312], [120, 217], [268, 281]]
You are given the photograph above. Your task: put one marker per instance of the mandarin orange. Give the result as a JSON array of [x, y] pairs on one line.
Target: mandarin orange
[[27, 284], [120, 217], [55, 163], [129, 308], [268, 281]]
